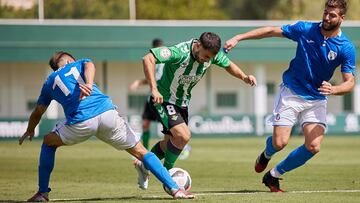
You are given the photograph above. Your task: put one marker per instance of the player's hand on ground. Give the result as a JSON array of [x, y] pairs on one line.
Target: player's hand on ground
[[251, 80], [25, 135], [157, 97], [231, 43], [86, 90], [326, 88]]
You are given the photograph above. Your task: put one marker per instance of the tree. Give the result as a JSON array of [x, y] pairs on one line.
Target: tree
[[11, 12], [281, 9], [179, 9], [182, 9], [86, 9], [248, 9]]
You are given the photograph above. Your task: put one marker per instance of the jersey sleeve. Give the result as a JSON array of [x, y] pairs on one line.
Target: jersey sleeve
[[80, 65], [166, 54], [293, 31], [85, 60], [45, 95], [221, 60], [348, 63]]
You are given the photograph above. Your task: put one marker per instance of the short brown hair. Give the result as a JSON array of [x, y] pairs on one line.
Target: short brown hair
[[54, 60], [210, 41], [340, 4]]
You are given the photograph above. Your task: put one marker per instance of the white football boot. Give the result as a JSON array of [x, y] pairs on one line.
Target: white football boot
[[143, 174], [182, 194]]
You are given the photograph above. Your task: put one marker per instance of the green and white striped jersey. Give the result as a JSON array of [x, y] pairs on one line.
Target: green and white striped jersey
[[159, 71], [182, 72]]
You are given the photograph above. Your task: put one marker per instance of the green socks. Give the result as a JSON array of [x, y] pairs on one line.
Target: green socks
[[158, 151], [171, 155], [145, 139]]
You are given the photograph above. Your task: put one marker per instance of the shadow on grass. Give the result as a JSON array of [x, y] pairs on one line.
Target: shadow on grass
[[144, 198], [100, 199], [231, 191]]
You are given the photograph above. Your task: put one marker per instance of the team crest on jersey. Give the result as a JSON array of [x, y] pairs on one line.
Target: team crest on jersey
[[165, 53], [332, 55]]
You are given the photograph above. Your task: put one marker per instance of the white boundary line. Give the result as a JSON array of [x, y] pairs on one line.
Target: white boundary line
[[208, 194], [290, 192]]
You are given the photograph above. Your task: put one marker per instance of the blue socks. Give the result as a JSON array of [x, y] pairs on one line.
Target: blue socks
[[152, 163], [269, 149], [46, 165], [296, 158], [47, 158]]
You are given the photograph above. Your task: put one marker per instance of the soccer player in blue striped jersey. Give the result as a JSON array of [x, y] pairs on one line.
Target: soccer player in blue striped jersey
[[88, 113], [321, 48]]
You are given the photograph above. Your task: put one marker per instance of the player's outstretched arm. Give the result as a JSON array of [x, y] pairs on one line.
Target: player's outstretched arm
[[345, 87], [234, 70], [33, 122], [149, 70], [136, 84], [258, 33]]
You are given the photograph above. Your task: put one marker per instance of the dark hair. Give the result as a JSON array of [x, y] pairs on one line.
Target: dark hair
[[340, 4], [54, 60], [157, 42], [210, 41]]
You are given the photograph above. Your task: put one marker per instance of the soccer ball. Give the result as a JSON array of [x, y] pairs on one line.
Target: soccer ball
[[181, 178]]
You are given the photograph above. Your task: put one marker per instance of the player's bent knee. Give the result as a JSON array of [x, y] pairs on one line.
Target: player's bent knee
[[279, 145], [181, 140], [53, 140], [186, 138]]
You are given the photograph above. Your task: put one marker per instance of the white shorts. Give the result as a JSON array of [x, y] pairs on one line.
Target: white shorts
[[109, 127], [290, 108]]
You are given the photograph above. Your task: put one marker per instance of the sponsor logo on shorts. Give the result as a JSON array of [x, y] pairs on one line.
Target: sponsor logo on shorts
[[277, 116], [161, 112], [174, 117]]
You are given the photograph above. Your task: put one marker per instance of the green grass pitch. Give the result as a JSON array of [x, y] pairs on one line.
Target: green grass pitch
[[221, 170]]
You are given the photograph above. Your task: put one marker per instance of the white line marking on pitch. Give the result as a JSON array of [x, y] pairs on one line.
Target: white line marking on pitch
[[293, 192]]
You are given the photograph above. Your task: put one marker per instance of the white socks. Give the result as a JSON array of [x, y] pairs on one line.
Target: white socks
[[274, 173]]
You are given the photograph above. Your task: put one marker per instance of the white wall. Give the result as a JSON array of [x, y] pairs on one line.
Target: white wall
[[20, 82], [120, 76], [222, 81]]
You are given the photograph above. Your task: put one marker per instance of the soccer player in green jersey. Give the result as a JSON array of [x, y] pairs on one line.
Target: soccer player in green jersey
[[148, 115], [184, 65]]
